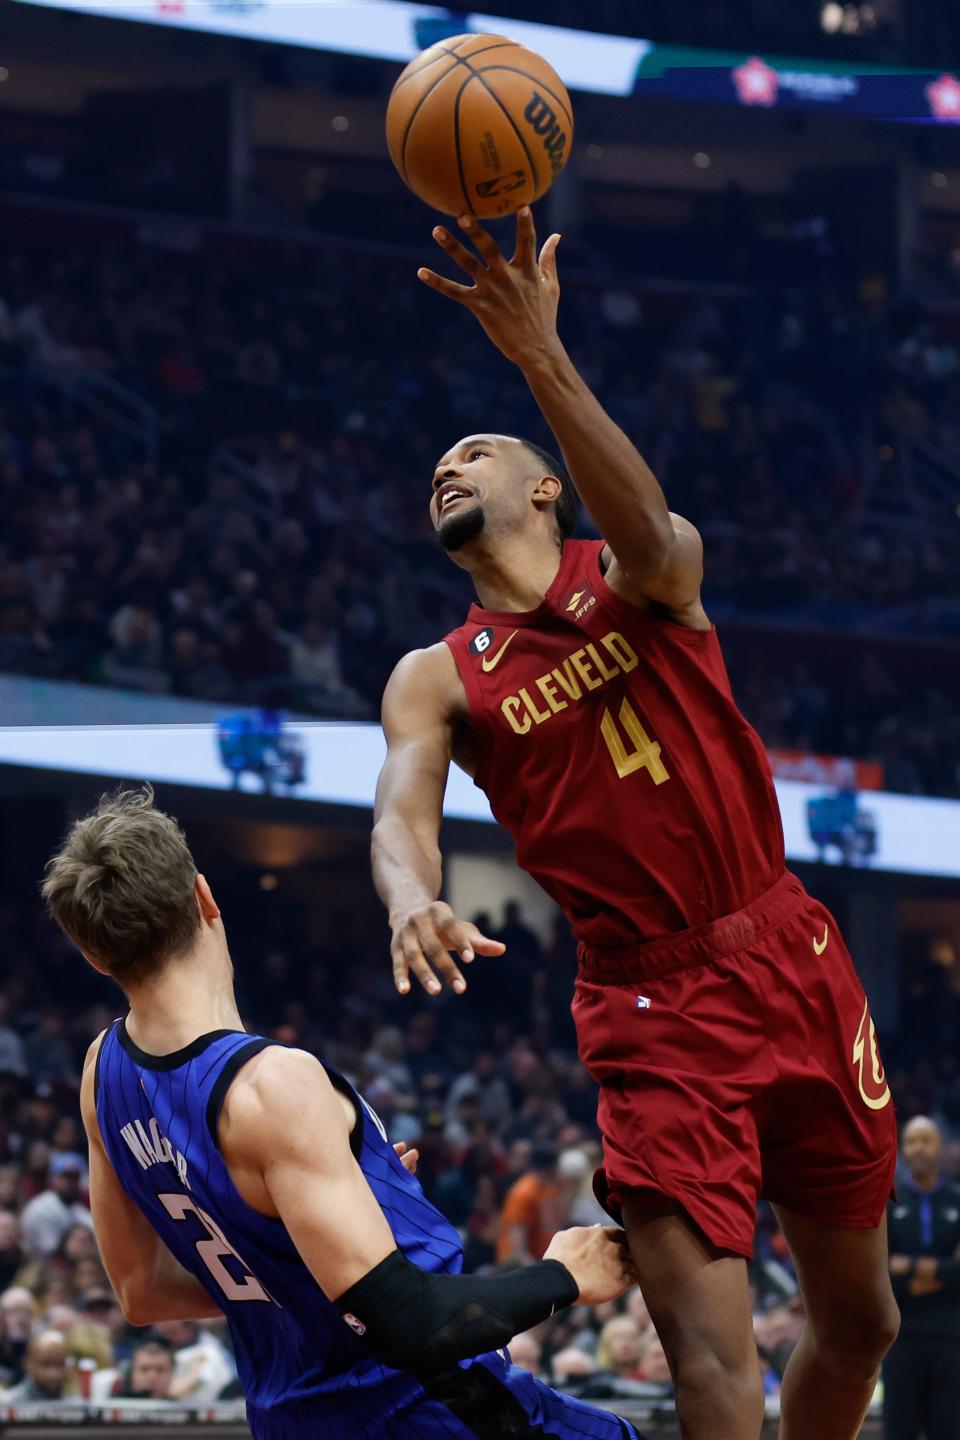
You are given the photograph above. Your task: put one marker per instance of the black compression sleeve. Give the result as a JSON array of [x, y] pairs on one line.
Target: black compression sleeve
[[412, 1320]]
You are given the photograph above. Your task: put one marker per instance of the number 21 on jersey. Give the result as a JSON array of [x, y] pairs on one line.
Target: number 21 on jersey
[[644, 753]]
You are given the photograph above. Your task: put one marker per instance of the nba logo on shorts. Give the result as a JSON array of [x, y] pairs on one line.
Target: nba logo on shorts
[[643, 1002]]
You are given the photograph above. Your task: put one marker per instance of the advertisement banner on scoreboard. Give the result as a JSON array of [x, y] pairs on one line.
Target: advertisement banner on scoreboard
[[585, 59], [828, 820]]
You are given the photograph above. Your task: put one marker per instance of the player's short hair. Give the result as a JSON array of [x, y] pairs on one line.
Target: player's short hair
[[122, 886], [567, 508]]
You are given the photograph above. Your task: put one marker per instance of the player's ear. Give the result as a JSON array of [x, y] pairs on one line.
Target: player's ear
[[209, 908], [547, 491]]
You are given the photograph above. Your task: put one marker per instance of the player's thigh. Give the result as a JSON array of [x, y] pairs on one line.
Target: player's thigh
[[845, 1282], [552, 1414], [698, 1295]]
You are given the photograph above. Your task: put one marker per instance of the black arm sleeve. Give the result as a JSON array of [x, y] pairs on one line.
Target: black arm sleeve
[[412, 1320]]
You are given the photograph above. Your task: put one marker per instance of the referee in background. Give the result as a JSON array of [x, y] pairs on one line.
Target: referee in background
[[921, 1374]]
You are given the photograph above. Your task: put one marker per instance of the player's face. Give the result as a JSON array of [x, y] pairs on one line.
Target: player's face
[[475, 483]]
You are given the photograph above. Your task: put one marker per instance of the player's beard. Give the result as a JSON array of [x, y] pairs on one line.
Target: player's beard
[[460, 529]]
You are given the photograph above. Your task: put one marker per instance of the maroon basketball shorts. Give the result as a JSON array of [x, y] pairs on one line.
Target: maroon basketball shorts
[[738, 1061]]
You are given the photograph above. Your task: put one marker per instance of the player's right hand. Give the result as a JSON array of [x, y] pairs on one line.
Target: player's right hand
[[598, 1258], [422, 942]]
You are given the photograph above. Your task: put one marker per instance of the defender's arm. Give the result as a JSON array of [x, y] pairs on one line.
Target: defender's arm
[[285, 1134], [418, 707], [148, 1281]]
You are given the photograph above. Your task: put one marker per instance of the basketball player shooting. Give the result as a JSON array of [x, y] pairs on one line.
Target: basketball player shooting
[[232, 1175], [716, 1005]]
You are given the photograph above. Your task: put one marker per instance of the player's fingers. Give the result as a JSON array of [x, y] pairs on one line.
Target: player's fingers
[[450, 288], [548, 258], [525, 255], [465, 258], [483, 945], [409, 1161], [437, 954], [484, 241], [401, 973], [417, 965], [400, 1146]]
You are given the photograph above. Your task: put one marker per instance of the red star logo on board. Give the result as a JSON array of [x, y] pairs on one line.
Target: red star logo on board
[[756, 82], [171, 7], [944, 97]]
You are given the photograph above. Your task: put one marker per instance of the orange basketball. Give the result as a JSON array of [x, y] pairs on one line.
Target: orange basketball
[[480, 125]]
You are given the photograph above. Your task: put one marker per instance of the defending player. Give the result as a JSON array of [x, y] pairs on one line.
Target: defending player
[[230, 1174], [716, 1004]]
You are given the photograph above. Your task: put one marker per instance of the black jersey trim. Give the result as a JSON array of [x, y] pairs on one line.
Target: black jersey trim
[[176, 1058], [96, 1064], [357, 1134], [234, 1062]]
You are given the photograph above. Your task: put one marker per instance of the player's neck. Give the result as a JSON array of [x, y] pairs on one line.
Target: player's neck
[[191, 996], [514, 576]]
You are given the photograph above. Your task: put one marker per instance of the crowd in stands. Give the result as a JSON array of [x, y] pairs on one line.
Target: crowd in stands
[[298, 572], [497, 1104]]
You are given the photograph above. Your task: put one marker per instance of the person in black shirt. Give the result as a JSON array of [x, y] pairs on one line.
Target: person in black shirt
[[921, 1374]]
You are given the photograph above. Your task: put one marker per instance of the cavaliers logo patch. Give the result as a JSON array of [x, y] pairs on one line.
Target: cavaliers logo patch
[[871, 1079]]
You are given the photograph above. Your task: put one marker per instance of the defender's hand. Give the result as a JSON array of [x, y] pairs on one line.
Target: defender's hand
[[422, 941], [598, 1258], [514, 300], [408, 1158]]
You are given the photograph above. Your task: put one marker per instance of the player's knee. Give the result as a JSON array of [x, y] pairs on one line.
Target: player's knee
[[730, 1386], [859, 1335]]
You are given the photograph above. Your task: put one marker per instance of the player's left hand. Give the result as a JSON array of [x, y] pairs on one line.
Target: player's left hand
[[515, 300], [408, 1158]]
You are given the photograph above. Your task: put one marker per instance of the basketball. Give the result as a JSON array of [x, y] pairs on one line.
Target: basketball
[[479, 124]]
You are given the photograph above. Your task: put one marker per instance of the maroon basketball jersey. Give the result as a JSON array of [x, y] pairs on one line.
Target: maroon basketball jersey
[[610, 747]]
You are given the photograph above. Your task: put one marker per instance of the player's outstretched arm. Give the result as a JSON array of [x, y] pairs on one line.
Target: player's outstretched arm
[[418, 710], [656, 555], [148, 1281], [285, 1135]]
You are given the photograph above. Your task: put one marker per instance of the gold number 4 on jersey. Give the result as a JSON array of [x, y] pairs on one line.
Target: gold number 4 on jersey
[[645, 754]]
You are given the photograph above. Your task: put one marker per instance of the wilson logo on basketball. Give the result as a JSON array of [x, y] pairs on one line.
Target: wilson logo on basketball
[[543, 118], [502, 184], [871, 1080]]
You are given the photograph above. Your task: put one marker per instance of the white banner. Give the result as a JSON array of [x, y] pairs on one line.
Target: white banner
[[383, 30], [338, 765]]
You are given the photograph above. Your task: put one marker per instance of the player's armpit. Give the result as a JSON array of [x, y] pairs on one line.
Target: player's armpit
[[285, 1136], [149, 1282], [673, 582]]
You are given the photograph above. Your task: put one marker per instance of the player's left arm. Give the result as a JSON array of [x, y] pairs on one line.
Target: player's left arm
[[148, 1281], [652, 554]]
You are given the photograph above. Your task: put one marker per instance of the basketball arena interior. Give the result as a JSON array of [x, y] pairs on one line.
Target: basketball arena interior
[[223, 396]]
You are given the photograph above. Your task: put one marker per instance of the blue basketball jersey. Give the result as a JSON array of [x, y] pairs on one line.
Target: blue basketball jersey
[[300, 1364]]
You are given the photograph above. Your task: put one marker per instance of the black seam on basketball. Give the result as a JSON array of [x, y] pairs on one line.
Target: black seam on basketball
[[456, 141], [478, 75], [465, 59], [416, 112], [515, 70], [421, 68]]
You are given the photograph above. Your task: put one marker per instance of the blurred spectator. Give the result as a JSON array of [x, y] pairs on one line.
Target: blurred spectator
[[50, 1214], [621, 1348], [46, 1368], [150, 1372], [17, 1323], [526, 1351], [202, 1366], [11, 1253], [532, 1210]]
